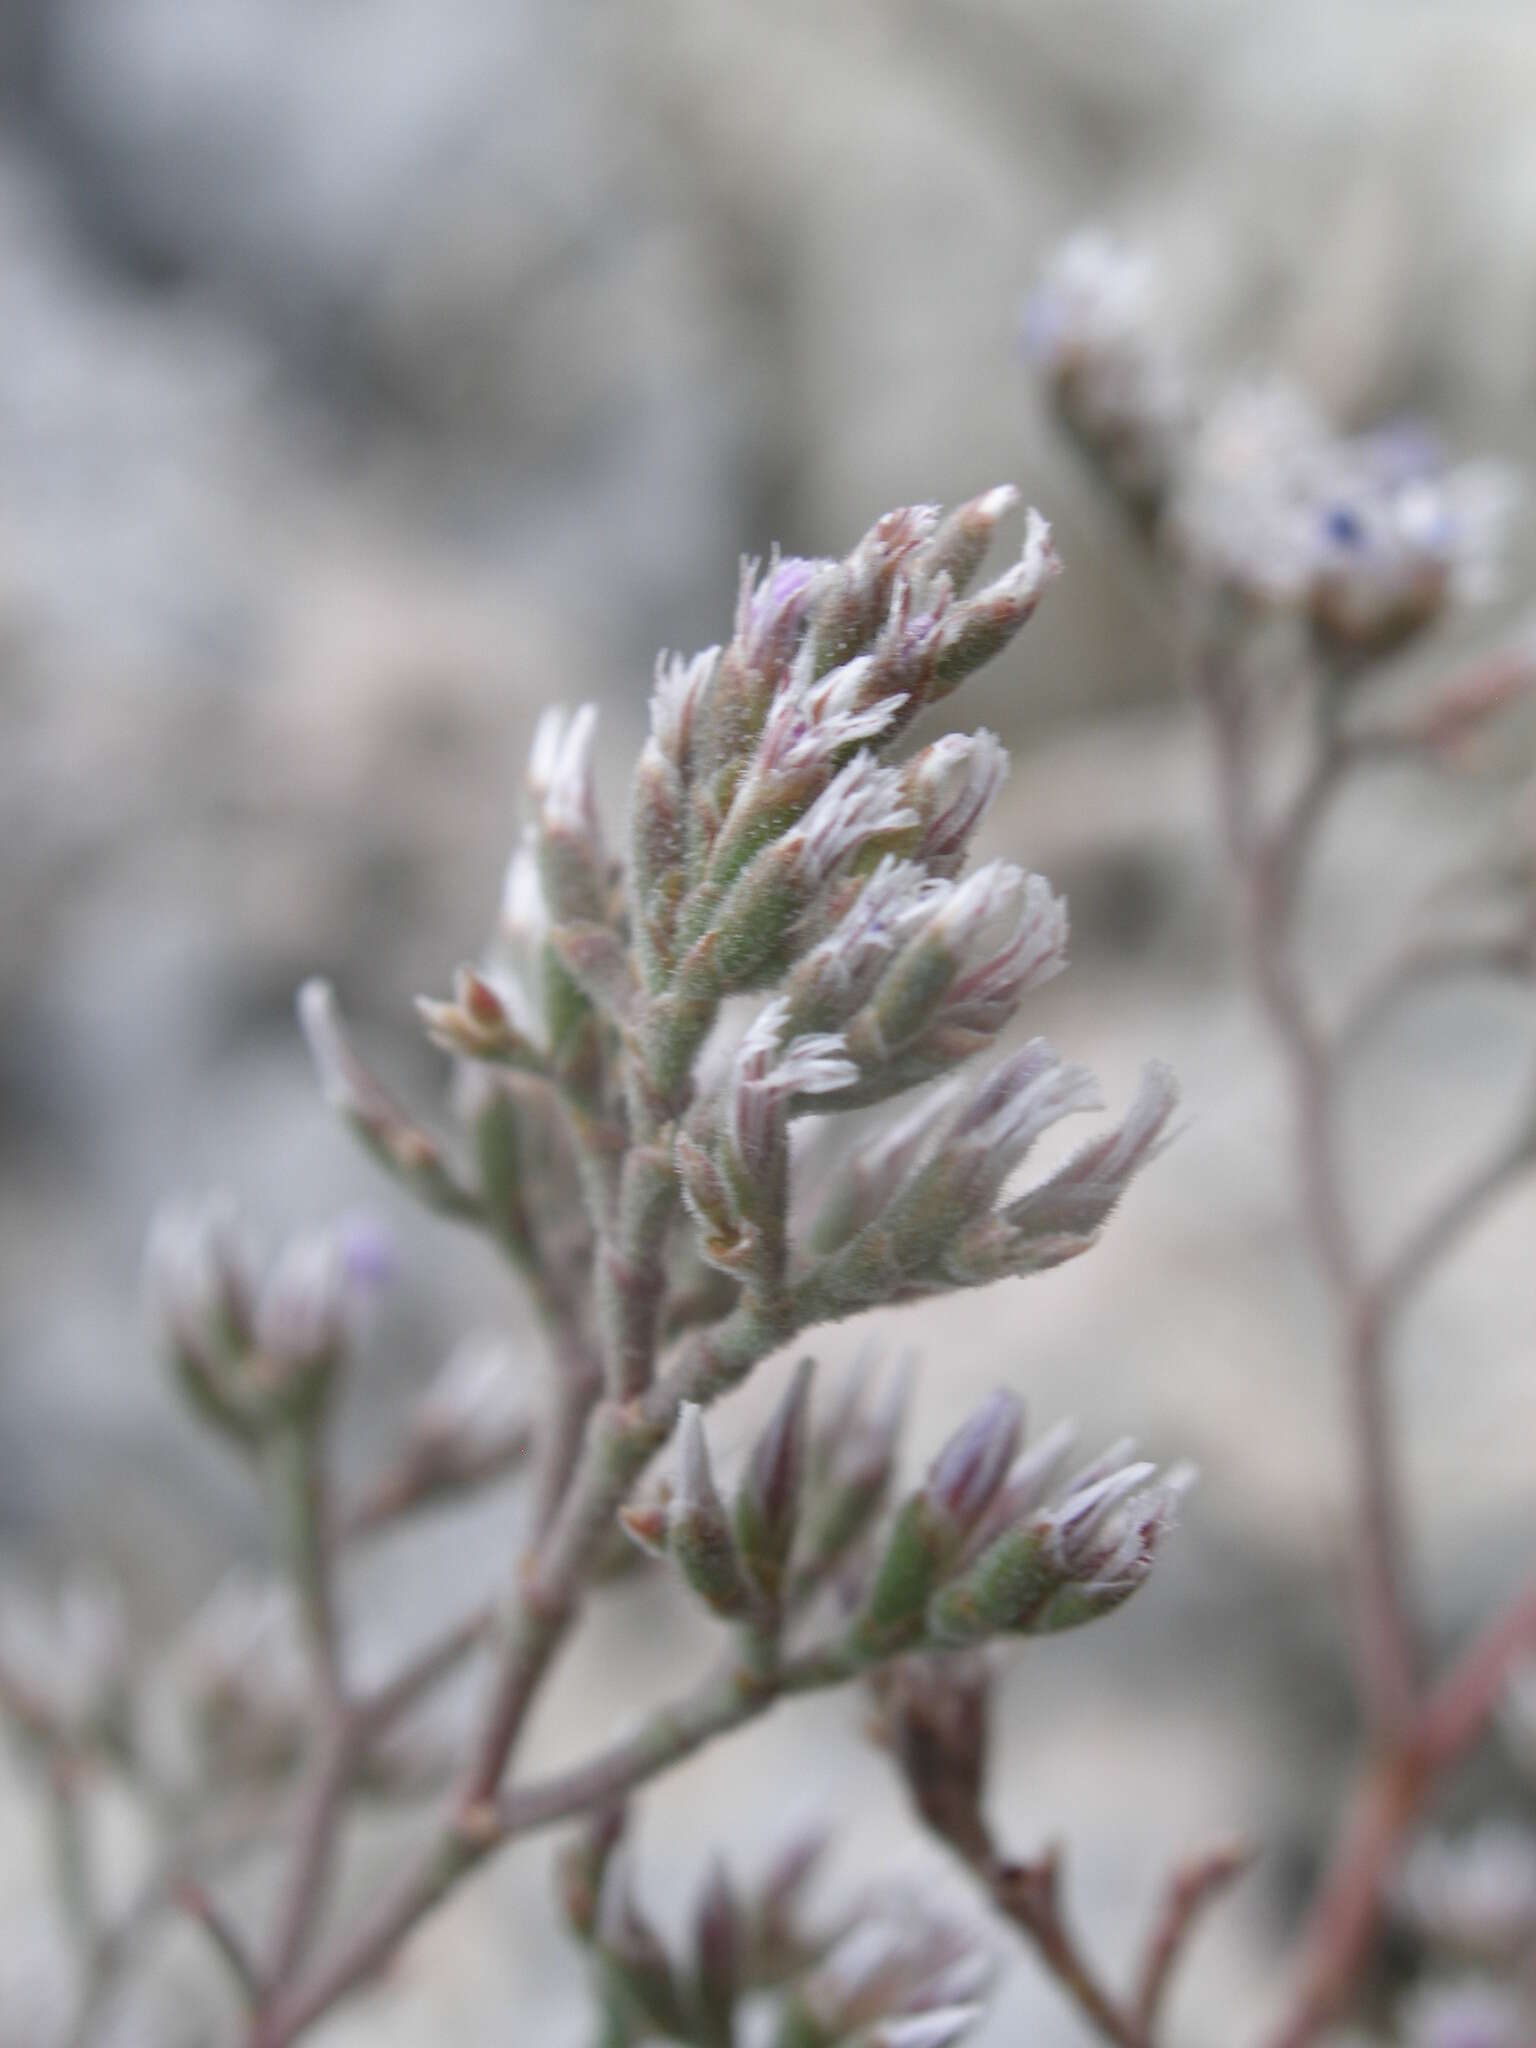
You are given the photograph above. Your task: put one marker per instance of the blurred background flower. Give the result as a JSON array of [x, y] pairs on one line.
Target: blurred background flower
[[374, 372]]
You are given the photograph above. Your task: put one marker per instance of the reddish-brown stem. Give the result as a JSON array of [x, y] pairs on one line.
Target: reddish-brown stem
[[1268, 864], [1029, 1894], [413, 1482], [1344, 1915], [1191, 1888]]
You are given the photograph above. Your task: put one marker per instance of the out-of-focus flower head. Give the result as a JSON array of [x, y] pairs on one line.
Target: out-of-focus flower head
[[1473, 2012], [1475, 1895]]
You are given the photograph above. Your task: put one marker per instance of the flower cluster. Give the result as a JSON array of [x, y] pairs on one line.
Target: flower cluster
[[792, 938], [1368, 538], [885, 1973]]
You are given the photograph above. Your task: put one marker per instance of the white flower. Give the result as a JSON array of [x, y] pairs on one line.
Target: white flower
[[561, 782], [766, 1077], [952, 783], [681, 688]]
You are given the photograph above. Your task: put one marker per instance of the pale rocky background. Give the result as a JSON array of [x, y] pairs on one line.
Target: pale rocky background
[[373, 370]]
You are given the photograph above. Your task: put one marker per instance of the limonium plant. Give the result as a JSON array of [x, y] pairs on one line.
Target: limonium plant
[[782, 931], [1294, 563]]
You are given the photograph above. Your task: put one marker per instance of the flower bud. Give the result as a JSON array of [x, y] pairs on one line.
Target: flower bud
[[959, 979], [857, 593], [756, 923], [362, 1101], [719, 1957], [852, 1464], [632, 1955], [699, 1530], [931, 1527], [895, 1964], [960, 545], [950, 786], [562, 789], [302, 1315], [982, 626], [201, 1283], [1078, 1199], [768, 1503], [968, 1471], [1061, 1566]]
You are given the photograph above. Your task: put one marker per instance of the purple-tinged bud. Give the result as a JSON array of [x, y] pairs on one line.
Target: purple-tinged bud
[[840, 973], [1064, 1565], [986, 941], [960, 546], [720, 1959], [857, 594], [768, 1502], [861, 803], [1030, 1479], [1078, 1199], [983, 625], [201, 1282], [779, 1940], [852, 1464], [771, 614], [873, 1171], [677, 703], [361, 1100], [891, 1965], [766, 1079], [477, 1023], [970, 1468], [303, 1315], [950, 786], [632, 1953], [699, 1530]]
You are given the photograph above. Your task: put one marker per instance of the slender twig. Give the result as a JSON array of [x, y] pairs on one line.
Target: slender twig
[[1191, 1888], [722, 1704], [1457, 1213], [195, 1900], [1268, 869], [314, 1843], [413, 1482], [1444, 958], [1029, 1894]]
